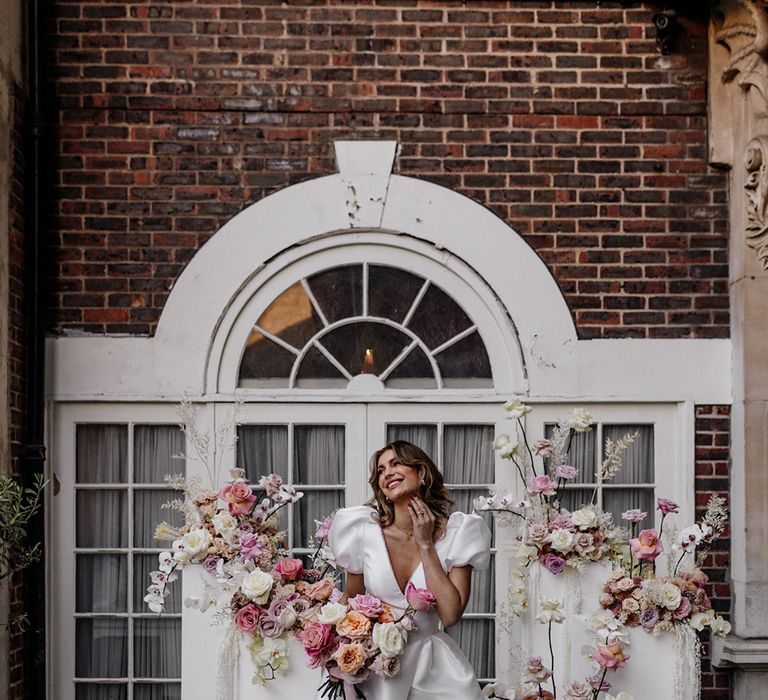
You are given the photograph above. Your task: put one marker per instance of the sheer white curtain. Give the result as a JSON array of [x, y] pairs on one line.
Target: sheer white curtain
[[468, 459], [637, 468], [318, 468], [102, 583], [101, 578]]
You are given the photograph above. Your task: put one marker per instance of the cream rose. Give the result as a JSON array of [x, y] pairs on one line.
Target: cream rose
[[257, 586], [388, 638], [561, 540], [584, 519], [332, 613], [670, 596], [195, 543], [224, 522]]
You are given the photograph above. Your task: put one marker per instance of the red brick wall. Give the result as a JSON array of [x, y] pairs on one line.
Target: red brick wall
[[713, 477], [562, 118], [16, 357]]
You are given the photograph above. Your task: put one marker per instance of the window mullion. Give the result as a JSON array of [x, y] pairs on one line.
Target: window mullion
[[129, 587]]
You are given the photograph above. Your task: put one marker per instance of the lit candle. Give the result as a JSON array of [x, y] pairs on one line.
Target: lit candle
[[368, 362]]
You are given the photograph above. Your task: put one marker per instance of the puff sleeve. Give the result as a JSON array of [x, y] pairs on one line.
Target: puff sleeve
[[468, 542], [347, 537]]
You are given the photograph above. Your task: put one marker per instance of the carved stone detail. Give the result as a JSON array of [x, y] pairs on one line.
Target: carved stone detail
[[756, 192], [744, 32]]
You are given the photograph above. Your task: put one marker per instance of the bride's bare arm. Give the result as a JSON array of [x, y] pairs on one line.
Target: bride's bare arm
[[450, 590], [354, 586]]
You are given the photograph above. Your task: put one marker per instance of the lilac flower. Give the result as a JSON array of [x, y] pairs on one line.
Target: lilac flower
[[210, 564], [595, 682], [649, 617], [250, 547], [553, 563]]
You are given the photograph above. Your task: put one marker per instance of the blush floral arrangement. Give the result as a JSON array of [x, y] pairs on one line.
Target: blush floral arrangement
[[362, 637], [638, 597], [548, 533]]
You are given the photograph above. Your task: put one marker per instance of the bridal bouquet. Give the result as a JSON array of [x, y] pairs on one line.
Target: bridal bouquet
[[636, 596], [362, 637]]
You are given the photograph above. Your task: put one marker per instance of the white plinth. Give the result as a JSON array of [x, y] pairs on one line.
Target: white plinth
[[201, 641], [659, 667]]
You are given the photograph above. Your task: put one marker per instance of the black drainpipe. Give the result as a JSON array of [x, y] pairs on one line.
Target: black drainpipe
[[32, 454]]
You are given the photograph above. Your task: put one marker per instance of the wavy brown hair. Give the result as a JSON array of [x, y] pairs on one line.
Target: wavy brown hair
[[432, 491]]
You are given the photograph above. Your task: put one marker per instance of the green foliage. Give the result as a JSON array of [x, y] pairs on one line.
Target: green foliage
[[17, 506]]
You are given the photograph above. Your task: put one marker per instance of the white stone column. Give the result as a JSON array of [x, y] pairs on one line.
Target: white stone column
[[738, 124]]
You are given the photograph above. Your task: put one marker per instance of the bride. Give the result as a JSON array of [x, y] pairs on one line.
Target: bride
[[405, 535]]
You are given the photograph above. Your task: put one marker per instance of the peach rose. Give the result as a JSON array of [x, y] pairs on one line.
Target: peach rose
[[350, 657], [386, 614], [239, 498], [320, 591], [354, 625]]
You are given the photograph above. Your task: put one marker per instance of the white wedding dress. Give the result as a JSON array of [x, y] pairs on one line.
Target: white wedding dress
[[432, 665]]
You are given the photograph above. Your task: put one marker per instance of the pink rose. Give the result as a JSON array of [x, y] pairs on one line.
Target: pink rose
[[561, 522], [420, 599], [666, 506], [336, 596], [543, 448], [647, 545], [250, 547], [542, 484], [566, 471], [239, 498], [316, 638], [683, 609], [247, 618], [611, 655], [369, 605], [289, 568], [321, 590], [323, 527]]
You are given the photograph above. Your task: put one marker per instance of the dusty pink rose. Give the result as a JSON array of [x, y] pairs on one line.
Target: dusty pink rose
[[323, 527], [289, 568], [369, 605], [420, 599], [321, 590], [238, 497], [646, 545], [247, 618], [635, 515], [561, 522], [538, 533], [316, 638], [553, 563], [250, 547], [666, 506], [566, 471], [683, 609], [543, 448], [542, 484], [611, 655]]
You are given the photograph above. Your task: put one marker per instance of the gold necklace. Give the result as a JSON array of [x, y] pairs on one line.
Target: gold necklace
[[409, 533]]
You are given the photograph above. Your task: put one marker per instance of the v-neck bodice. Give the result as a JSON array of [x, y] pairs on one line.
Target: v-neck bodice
[[432, 666], [392, 565]]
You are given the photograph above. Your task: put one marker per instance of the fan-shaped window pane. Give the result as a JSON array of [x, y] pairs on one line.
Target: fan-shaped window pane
[[339, 291], [465, 363], [413, 372], [391, 292], [317, 372], [291, 317], [438, 318], [265, 361], [349, 343]]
